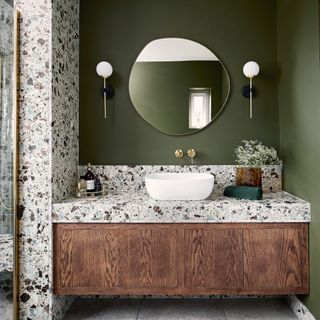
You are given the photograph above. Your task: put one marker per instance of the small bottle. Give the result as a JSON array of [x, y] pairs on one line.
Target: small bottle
[[89, 178], [78, 190], [83, 184], [97, 185]]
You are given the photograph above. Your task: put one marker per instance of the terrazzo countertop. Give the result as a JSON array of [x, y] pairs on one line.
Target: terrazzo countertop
[[139, 207]]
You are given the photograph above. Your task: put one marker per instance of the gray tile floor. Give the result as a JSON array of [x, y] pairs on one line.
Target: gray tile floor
[[180, 309]]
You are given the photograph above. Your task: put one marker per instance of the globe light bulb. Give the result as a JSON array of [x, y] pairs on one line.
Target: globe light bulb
[[104, 69], [251, 69]]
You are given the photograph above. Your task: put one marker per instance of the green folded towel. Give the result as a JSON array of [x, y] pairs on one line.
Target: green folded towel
[[243, 192]]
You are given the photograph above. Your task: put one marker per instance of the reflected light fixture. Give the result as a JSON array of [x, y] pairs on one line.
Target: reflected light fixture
[[104, 69], [251, 69]]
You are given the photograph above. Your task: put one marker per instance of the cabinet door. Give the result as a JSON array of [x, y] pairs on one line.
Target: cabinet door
[[96, 258], [148, 257], [276, 258], [213, 257]]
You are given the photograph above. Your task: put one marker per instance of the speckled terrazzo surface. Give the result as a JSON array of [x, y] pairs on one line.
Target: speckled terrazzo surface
[[128, 178], [35, 185], [65, 98], [48, 142], [6, 252], [301, 311], [65, 112], [139, 207]]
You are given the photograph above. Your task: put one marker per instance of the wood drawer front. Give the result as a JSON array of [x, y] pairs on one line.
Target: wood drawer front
[[186, 259], [104, 257], [213, 258], [276, 258]]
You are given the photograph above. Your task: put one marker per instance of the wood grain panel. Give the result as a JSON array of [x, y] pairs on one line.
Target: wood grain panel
[[274, 258], [133, 257], [112, 253], [213, 258], [181, 259], [88, 258], [148, 258], [304, 238]]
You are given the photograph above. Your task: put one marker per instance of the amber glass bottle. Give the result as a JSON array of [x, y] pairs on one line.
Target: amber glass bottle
[[89, 178]]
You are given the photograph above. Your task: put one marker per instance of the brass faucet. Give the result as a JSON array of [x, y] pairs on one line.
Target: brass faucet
[[192, 153]]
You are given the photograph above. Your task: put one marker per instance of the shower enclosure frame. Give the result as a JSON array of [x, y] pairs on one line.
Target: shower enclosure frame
[[13, 121]]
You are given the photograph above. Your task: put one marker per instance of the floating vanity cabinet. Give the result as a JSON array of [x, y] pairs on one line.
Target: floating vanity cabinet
[[258, 258]]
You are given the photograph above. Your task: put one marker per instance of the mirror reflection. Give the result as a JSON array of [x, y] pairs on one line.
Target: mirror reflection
[[178, 86]]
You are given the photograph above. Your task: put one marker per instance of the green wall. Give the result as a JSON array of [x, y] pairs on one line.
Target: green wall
[[116, 31], [237, 31], [160, 91], [299, 100]]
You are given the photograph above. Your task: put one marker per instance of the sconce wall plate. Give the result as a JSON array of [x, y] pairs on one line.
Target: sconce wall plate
[[108, 90], [246, 91]]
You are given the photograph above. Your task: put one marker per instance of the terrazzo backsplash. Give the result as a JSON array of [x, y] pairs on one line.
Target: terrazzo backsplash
[[131, 178]]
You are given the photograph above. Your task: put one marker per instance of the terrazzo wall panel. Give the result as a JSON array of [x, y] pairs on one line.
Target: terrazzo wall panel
[[65, 102], [43, 128], [35, 158], [65, 107]]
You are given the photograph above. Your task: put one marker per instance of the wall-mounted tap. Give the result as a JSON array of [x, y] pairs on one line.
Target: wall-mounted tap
[[179, 153], [192, 153]]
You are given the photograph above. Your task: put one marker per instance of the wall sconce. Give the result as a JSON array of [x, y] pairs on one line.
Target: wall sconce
[[250, 70], [104, 70]]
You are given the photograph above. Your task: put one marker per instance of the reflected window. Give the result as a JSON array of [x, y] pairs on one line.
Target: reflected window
[[199, 107]]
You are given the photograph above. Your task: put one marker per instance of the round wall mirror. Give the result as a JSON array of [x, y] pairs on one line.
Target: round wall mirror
[[178, 86]]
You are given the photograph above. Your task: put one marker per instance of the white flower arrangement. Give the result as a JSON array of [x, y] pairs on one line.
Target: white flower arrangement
[[254, 153]]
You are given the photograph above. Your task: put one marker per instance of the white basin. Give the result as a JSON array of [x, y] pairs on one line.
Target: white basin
[[179, 186]]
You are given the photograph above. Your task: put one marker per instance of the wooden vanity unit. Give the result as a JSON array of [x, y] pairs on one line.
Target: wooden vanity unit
[[180, 258]]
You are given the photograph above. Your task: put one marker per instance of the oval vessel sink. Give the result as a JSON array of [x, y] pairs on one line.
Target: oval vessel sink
[[179, 186]]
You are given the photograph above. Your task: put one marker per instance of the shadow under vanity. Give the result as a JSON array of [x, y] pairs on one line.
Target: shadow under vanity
[[129, 243]]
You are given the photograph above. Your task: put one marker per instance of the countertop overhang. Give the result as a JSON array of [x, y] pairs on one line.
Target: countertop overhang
[[139, 207]]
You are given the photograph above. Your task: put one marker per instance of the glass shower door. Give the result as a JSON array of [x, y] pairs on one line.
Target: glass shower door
[[7, 160]]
